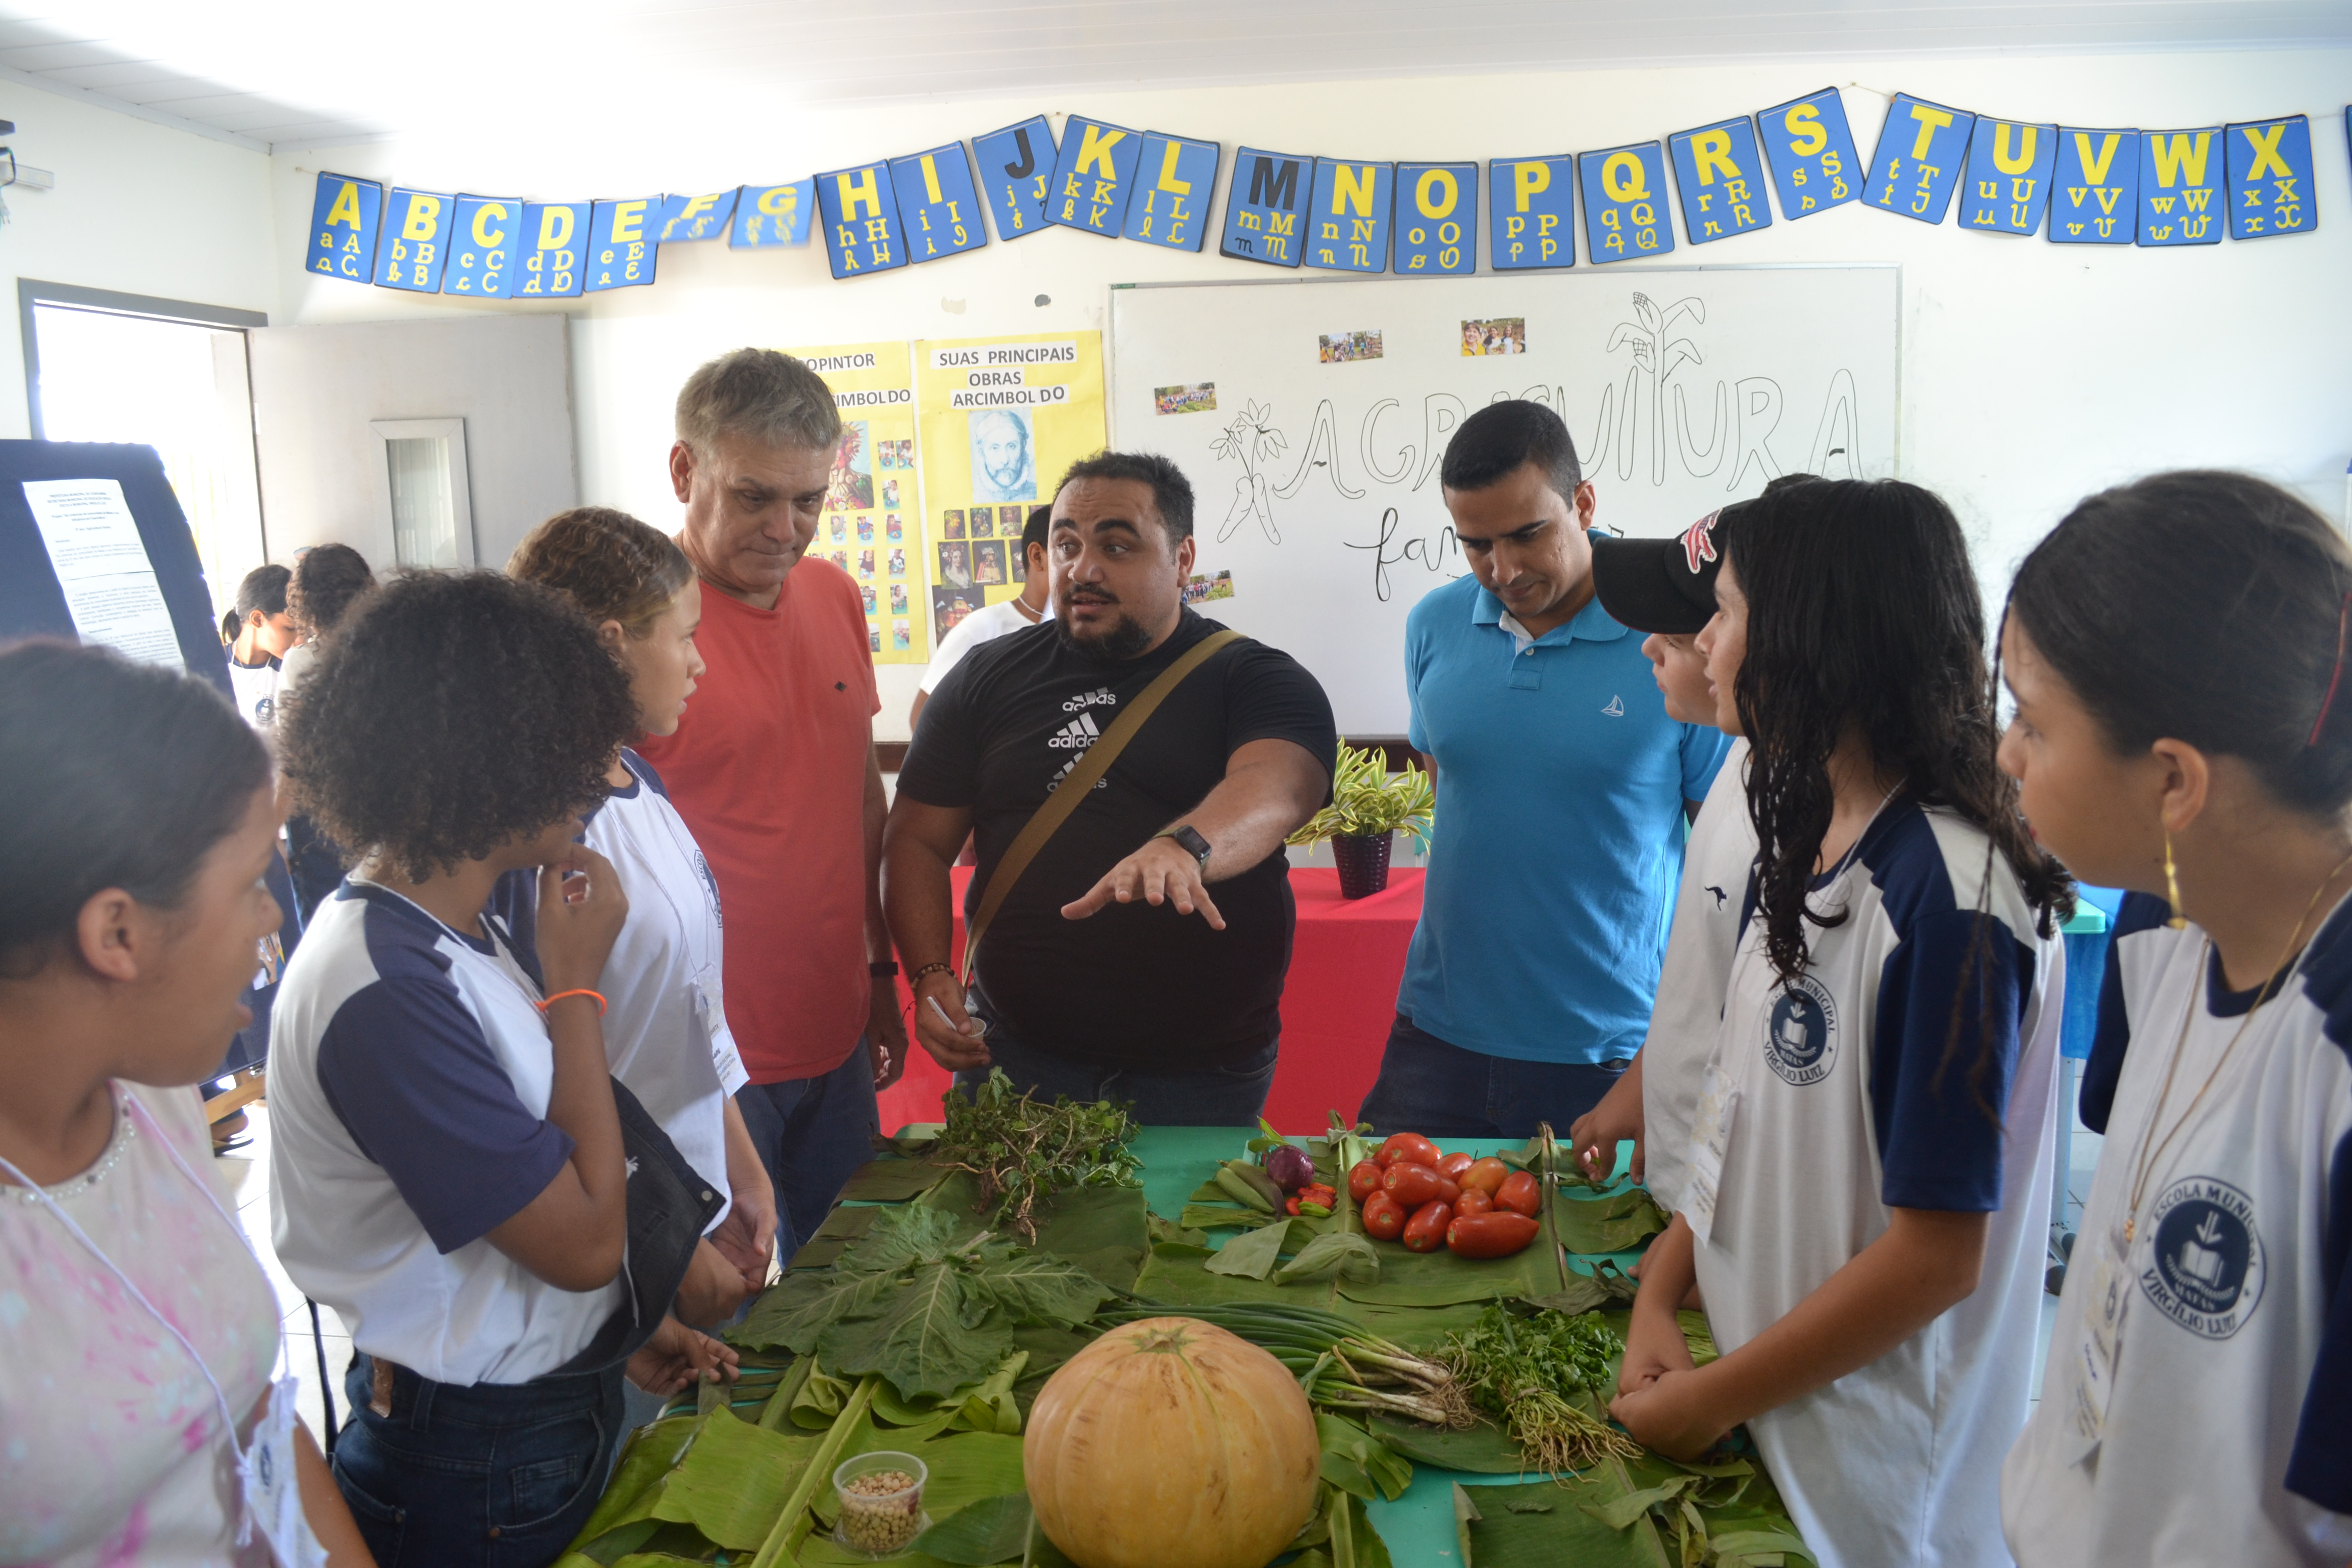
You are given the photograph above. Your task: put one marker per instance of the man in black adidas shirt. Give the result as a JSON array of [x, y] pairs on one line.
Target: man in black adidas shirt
[[1141, 953]]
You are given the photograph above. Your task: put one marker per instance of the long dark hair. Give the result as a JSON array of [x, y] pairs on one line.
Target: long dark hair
[[1863, 612], [116, 775], [2210, 608], [263, 589], [327, 581]]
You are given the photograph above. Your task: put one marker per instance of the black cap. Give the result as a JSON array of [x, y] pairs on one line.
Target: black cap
[[1660, 584]]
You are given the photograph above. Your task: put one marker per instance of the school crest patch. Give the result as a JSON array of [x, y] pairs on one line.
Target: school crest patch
[[1800, 1032], [2204, 1269]]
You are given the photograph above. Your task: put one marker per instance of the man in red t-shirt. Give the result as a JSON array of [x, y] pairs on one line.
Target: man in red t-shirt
[[774, 768]]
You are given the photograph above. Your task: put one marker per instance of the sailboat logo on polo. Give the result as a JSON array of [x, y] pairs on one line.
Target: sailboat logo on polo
[[1616, 708], [2205, 1267], [1076, 735]]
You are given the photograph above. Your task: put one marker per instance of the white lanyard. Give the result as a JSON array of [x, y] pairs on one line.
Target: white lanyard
[[264, 1469]]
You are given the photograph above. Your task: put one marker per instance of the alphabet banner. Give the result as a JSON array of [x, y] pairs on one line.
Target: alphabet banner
[[1001, 419], [873, 525], [2153, 189]]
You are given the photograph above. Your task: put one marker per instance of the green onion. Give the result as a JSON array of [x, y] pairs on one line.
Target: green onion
[[1339, 1365]]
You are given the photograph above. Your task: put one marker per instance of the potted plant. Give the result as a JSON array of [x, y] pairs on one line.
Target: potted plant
[[1368, 804]]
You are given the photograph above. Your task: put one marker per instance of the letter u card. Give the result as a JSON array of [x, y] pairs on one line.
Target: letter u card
[[939, 202], [1917, 164], [2094, 189], [1176, 178], [2180, 186], [1530, 207], [1436, 219], [1719, 175], [2007, 187], [344, 217], [1810, 150], [862, 232], [1347, 220], [416, 247], [1625, 202], [1016, 170], [1094, 176], [2271, 188]]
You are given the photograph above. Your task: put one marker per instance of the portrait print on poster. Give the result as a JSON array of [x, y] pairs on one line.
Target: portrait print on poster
[[1004, 456]]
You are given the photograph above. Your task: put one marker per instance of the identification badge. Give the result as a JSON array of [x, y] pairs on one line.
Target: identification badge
[[273, 1493], [1719, 1105], [2100, 1347], [711, 1014]]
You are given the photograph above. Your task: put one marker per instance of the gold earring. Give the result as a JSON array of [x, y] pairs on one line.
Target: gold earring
[[2172, 885]]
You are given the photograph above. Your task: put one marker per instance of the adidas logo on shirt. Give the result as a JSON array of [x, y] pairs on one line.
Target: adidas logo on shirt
[[1076, 735], [1100, 697]]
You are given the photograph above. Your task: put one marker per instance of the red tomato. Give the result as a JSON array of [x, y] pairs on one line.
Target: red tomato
[[1487, 1234], [1452, 1166], [1364, 1180], [1425, 1231], [1409, 1146], [1448, 1193], [1474, 1200], [1485, 1174], [1384, 1217], [1521, 1194], [1413, 1184]]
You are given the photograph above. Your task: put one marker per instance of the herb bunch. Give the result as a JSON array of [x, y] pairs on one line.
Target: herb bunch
[[1021, 1150], [1544, 1376]]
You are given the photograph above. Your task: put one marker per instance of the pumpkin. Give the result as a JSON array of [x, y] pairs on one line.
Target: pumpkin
[[1171, 1442]]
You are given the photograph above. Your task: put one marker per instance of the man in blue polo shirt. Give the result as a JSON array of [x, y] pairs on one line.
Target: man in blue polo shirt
[[1563, 791]]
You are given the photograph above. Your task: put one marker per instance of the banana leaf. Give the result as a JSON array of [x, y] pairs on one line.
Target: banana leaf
[[1484, 1449], [1204, 1217], [1541, 1524], [727, 1479], [1254, 1254], [965, 1467], [892, 1180], [993, 1529], [1618, 1223], [1441, 1279], [1357, 1462], [1343, 1253]]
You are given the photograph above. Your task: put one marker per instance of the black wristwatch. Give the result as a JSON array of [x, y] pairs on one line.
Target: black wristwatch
[[1191, 843]]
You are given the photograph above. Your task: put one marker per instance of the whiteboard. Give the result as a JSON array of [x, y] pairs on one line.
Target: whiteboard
[[1317, 482]]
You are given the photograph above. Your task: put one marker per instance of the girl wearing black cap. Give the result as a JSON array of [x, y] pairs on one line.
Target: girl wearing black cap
[[1868, 1186], [2178, 650]]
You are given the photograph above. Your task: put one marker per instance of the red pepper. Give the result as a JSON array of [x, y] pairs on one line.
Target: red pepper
[[1290, 1204]]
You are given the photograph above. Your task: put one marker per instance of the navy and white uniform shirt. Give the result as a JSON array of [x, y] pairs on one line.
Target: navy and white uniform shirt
[[2228, 1429], [666, 1030], [1913, 1066], [255, 686], [409, 1074]]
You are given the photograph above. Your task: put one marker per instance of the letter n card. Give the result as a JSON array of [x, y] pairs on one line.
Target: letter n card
[[1347, 220]]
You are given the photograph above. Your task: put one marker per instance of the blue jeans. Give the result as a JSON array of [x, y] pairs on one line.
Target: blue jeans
[[1429, 1087], [491, 1475], [1228, 1096], [812, 1133]]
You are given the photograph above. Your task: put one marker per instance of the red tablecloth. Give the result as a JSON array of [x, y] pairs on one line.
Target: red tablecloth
[[1336, 1006]]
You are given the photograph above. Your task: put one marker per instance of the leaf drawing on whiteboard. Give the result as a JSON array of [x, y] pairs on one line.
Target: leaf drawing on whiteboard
[[1656, 356], [1252, 441]]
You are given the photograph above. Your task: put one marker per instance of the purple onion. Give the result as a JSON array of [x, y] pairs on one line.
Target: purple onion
[[1288, 1165]]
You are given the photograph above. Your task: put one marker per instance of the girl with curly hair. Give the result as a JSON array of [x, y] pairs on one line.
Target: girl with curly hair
[[666, 1035], [2178, 649], [1866, 1199], [452, 1168]]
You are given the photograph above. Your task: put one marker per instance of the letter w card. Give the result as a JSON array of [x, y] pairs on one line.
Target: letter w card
[[1016, 169], [2270, 179], [1175, 181], [1719, 173], [2094, 189], [1917, 164], [939, 202], [2180, 186], [1811, 149], [2006, 188], [1094, 176]]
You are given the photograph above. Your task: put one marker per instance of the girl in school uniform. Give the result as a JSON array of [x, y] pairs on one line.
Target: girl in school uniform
[[453, 1170], [260, 634], [1868, 1172], [665, 1033], [2178, 651]]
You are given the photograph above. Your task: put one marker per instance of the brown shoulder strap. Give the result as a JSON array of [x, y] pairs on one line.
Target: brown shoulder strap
[[1074, 785]]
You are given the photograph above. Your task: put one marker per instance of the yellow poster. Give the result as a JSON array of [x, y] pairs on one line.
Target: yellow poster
[[872, 524], [1003, 418]]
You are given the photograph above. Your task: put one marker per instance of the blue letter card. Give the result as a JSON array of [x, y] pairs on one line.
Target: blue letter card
[[772, 214], [937, 202], [554, 236], [2270, 179], [2006, 188], [1625, 202], [1811, 149], [1917, 166], [1348, 218], [343, 218], [484, 240], [621, 247], [1016, 167], [1530, 207], [1262, 218], [1176, 179], [1094, 176], [417, 247], [1719, 175], [861, 220], [1437, 225], [2180, 186], [2095, 191]]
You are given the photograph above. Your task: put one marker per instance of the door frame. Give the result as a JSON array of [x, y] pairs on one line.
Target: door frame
[[73, 296]]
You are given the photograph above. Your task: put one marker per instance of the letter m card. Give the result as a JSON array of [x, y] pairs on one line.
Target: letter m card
[[484, 240], [1625, 202], [1176, 179], [415, 244], [769, 215], [344, 217], [862, 230], [621, 245], [1921, 149], [1719, 173], [937, 202], [1347, 220], [2180, 186], [1016, 170], [2007, 187], [1265, 206], [1437, 220], [1811, 149], [1094, 176], [2270, 179], [2094, 190], [1530, 207]]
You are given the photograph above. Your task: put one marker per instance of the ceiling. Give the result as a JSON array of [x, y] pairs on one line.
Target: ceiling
[[290, 74]]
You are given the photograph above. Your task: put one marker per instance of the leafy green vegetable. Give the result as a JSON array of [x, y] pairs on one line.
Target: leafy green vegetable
[[1349, 1256], [1356, 1461], [1545, 1376], [1022, 1150]]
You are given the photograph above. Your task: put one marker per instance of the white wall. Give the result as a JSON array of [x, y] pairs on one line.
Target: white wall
[[2032, 373], [139, 208]]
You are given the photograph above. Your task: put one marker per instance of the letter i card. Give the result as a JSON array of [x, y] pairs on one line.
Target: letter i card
[[939, 204]]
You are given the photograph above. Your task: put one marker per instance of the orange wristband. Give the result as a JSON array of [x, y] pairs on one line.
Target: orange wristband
[[560, 995]]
